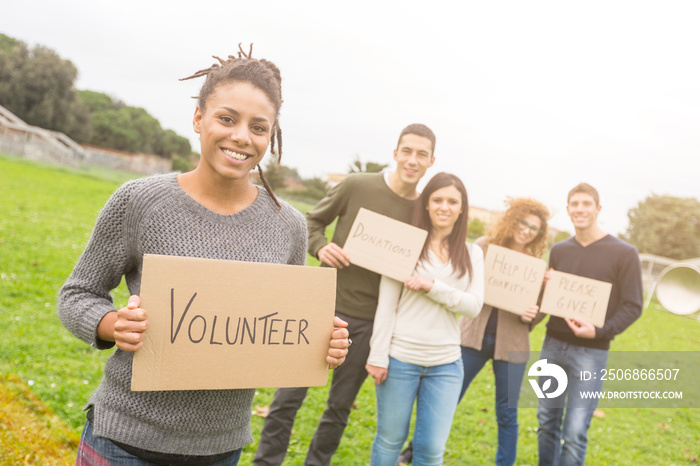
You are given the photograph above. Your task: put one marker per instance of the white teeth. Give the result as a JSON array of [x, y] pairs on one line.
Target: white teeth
[[235, 155]]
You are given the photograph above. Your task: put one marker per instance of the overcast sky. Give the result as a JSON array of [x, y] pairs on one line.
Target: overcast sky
[[526, 98]]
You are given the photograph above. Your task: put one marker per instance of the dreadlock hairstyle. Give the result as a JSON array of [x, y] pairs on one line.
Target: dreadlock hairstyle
[[262, 74], [505, 228], [457, 239]]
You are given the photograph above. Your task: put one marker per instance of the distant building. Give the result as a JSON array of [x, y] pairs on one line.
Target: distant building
[[31, 142], [483, 215], [333, 179]]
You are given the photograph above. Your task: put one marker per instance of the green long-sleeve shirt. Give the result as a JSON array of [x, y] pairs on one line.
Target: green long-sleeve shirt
[[357, 288]]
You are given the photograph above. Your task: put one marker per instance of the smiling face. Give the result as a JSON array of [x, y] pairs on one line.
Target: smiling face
[[583, 211], [528, 228], [444, 208], [235, 129], [413, 156]]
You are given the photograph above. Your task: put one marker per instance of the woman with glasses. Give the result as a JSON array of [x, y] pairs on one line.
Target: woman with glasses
[[493, 333]]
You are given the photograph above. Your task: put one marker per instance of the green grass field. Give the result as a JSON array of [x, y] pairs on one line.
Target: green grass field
[[46, 216]]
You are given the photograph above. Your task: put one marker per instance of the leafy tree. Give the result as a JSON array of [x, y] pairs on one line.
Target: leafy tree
[[98, 102], [119, 126], [274, 174], [37, 85], [561, 236], [666, 226], [7, 43], [146, 127], [369, 167], [182, 164], [112, 128], [316, 188], [475, 228], [170, 143]]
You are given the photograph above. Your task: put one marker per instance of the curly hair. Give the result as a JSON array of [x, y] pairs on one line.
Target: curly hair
[[262, 74], [504, 229]]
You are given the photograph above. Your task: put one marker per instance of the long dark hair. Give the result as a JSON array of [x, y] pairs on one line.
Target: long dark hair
[[456, 241]]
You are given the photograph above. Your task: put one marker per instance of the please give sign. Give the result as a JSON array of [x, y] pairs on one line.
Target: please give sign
[[568, 295]]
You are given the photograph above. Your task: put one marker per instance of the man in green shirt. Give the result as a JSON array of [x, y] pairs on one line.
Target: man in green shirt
[[393, 195]]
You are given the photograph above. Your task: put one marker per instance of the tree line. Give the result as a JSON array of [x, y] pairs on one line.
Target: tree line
[[37, 85]]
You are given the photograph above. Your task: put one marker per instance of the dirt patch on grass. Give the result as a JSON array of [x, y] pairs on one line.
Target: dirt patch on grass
[[30, 432]]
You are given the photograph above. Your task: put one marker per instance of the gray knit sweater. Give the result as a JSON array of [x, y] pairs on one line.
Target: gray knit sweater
[[155, 216]]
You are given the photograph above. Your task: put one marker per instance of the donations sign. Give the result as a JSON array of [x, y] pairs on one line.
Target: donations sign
[[512, 279], [384, 245], [568, 295], [216, 324]]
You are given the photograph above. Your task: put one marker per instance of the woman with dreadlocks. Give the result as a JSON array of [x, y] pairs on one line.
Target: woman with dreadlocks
[[211, 212]]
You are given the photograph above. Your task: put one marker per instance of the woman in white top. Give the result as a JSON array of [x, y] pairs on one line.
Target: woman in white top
[[415, 353]]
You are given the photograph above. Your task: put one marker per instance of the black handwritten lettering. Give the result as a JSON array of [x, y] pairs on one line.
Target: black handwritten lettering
[[506, 285], [228, 341], [173, 335], [379, 242], [505, 268], [251, 335], [577, 306], [575, 286], [530, 275], [301, 331], [286, 331], [272, 330], [204, 329], [359, 230], [213, 329], [264, 318], [245, 329]]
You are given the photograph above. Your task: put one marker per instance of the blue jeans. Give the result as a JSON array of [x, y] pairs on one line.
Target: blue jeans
[[99, 451], [506, 417], [577, 418], [436, 392]]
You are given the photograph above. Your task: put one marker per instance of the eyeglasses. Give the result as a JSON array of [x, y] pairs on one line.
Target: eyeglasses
[[532, 229]]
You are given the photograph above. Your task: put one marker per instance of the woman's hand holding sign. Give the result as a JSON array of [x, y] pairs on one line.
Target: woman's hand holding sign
[[126, 326], [529, 314], [340, 342], [418, 283]]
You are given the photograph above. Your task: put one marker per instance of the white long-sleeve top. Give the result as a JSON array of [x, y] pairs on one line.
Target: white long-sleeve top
[[423, 328]]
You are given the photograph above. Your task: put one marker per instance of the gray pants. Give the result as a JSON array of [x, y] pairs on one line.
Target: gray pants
[[346, 383]]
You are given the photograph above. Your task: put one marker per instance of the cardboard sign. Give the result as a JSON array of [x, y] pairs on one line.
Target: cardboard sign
[[512, 279], [568, 295], [384, 245], [217, 324]]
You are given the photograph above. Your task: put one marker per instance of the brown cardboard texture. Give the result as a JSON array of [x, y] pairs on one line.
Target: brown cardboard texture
[[513, 279], [216, 324], [568, 295], [384, 245]]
